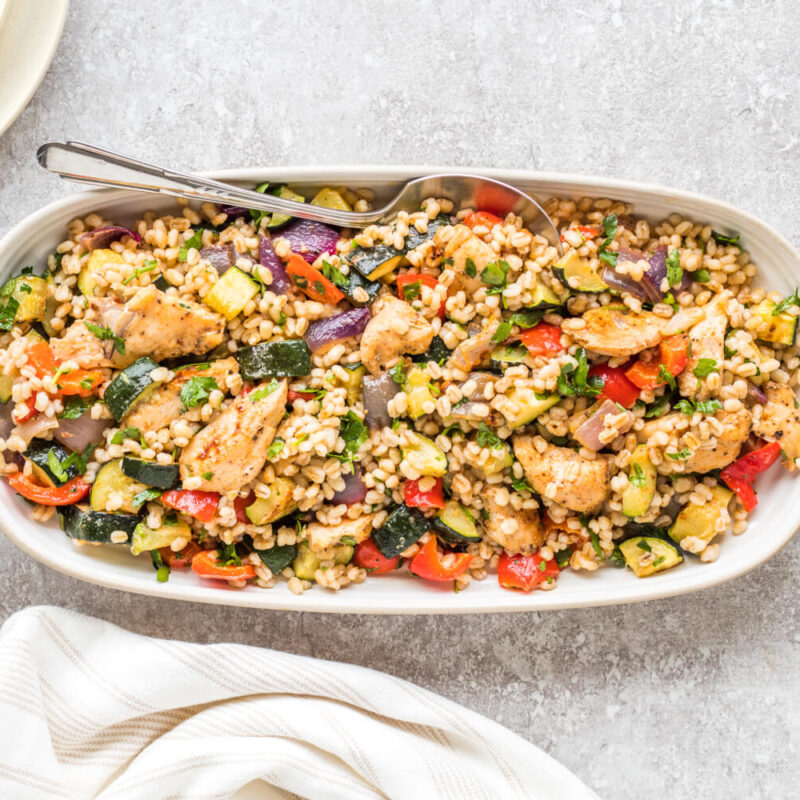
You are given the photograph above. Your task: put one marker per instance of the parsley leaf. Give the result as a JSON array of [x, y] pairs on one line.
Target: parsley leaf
[[527, 317], [140, 498], [702, 276], [334, 275], [674, 268], [263, 391], [521, 485], [74, 407], [705, 366], [644, 545], [791, 300], [657, 409], [148, 266], [502, 332], [128, 433], [488, 438], [637, 478], [104, 334], [55, 466], [616, 559], [495, 273], [575, 380], [470, 268], [721, 238], [685, 407], [196, 390], [194, 241], [708, 406], [680, 455], [412, 290], [354, 433], [275, 448], [398, 373], [610, 226], [665, 376], [8, 313]]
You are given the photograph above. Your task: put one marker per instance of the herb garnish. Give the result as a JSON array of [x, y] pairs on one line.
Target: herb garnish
[[334, 275], [149, 266], [104, 334], [194, 241], [674, 268], [196, 390], [610, 226], [705, 366], [140, 498], [354, 433], [263, 391], [721, 238], [637, 477], [791, 300], [575, 380]]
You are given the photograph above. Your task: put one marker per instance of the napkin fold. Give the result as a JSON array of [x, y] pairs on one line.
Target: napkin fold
[[89, 710]]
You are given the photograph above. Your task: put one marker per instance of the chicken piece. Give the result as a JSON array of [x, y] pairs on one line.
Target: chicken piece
[[164, 404], [716, 452], [471, 351], [159, 325], [706, 340], [518, 531], [780, 421], [80, 345], [231, 450], [320, 537], [464, 247], [394, 330], [611, 332], [560, 474]]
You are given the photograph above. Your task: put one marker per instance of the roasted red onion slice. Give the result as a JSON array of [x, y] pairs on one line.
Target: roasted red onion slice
[[326, 332], [102, 237], [354, 490], [36, 427], [757, 393], [234, 211], [219, 256], [377, 393], [587, 426], [77, 434], [310, 239], [269, 259]]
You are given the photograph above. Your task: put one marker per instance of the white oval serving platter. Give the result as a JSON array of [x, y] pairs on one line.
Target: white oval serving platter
[[772, 524]]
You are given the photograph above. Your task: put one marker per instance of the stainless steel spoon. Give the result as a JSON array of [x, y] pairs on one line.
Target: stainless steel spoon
[[84, 163]]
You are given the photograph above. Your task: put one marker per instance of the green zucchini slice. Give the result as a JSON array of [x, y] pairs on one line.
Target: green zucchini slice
[[640, 548], [48, 459], [289, 359], [110, 482], [403, 527], [509, 354], [95, 526], [437, 351], [145, 538], [781, 328], [522, 405], [305, 563], [131, 386], [455, 525], [577, 274], [162, 476], [277, 558], [31, 294], [425, 457], [701, 521], [638, 494], [544, 298], [355, 280]]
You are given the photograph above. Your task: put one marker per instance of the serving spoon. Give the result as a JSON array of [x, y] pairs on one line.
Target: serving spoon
[[84, 163]]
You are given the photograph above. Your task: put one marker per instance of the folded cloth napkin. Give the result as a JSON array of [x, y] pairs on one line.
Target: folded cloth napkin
[[88, 710]]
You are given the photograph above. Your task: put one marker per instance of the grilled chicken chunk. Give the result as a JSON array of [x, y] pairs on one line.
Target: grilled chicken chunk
[[780, 421], [611, 332], [464, 247], [321, 537], [80, 345], [715, 453], [394, 330], [164, 403], [159, 325], [560, 474], [706, 340], [518, 531], [231, 450], [471, 351]]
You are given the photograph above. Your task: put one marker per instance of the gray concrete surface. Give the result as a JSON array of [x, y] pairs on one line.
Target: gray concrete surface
[[695, 697]]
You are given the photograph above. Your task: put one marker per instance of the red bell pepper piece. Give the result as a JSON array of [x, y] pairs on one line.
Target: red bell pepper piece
[[183, 558], [29, 414], [414, 496], [240, 504], [525, 572], [674, 353], [368, 557], [616, 386], [585, 230], [200, 505], [410, 278], [428, 564], [71, 492], [206, 566], [542, 339], [740, 475], [292, 396], [481, 218]]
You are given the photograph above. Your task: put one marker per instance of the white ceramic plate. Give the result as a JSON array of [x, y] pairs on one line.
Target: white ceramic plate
[[29, 35], [772, 525]]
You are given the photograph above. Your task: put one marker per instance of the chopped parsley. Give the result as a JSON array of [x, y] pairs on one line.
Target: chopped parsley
[[128, 433], [637, 477], [527, 317], [55, 466], [502, 333], [521, 485], [665, 376], [398, 373], [8, 313], [354, 433], [495, 274], [575, 380], [721, 238], [674, 268], [595, 539], [148, 266], [162, 570], [610, 226], [145, 496], [657, 409], [563, 556], [227, 555], [412, 290], [263, 391], [74, 407], [705, 366], [197, 390], [104, 334], [680, 455], [275, 448], [791, 300], [334, 275], [643, 544], [488, 438], [470, 268], [708, 406], [616, 559], [206, 476], [194, 241], [702, 276]]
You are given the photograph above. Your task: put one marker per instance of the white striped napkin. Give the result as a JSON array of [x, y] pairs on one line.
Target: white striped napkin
[[88, 710]]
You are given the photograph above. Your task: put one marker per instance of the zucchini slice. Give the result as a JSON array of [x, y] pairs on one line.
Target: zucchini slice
[[454, 525], [701, 521], [264, 510], [289, 359], [276, 220], [355, 379], [544, 298], [577, 274], [331, 198], [638, 494], [425, 457], [39, 454], [131, 386], [111, 481], [277, 558], [355, 280], [31, 294], [162, 476], [418, 389], [522, 405], [403, 527], [508, 354], [95, 526], [231, 293], [640, 548], [780, 328], [145, 538], [87, 282], [305, 563]]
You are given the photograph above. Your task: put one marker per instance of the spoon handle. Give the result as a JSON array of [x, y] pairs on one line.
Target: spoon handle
[[83, 163]]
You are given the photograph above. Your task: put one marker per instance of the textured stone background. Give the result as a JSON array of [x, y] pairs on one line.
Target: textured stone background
[[695, 697]]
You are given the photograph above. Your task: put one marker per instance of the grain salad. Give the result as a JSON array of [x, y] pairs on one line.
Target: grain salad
[[258, 398]]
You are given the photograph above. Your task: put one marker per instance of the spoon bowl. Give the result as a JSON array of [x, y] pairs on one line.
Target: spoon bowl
[[83, 163]]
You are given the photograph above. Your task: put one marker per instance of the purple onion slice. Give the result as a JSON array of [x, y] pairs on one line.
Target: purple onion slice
[[102, 237], [77, 434], [234, 211], [219, 256], [269, 259], [377, 392], [326, 332], [310, 239], [354, 490]]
